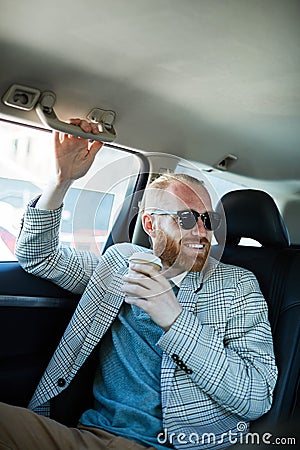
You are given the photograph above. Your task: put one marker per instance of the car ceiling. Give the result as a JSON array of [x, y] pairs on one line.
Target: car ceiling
[[201, 79]]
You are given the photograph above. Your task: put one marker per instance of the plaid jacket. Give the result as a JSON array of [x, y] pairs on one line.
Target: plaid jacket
[[218, 369]]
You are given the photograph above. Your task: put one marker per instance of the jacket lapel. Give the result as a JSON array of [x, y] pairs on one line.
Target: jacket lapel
[[188, 292]]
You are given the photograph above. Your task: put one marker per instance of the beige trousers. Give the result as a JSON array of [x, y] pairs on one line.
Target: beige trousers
[[21, 429]]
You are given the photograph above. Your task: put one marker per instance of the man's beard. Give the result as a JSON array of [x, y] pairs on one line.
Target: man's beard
[[172, 253]]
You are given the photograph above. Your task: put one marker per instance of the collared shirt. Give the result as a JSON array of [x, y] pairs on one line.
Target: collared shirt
[[178, 279]]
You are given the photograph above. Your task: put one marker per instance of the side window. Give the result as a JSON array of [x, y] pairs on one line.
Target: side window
[[91, 204]]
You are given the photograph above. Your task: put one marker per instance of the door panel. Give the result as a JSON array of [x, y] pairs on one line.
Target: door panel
[[33, 316]]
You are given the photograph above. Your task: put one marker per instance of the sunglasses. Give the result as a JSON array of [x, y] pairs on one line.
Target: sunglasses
[[188, 219]]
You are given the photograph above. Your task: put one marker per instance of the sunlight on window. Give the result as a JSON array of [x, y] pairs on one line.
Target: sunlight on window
[[91, 204]]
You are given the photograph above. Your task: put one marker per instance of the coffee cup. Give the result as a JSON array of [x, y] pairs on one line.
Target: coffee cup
[[146, 258]]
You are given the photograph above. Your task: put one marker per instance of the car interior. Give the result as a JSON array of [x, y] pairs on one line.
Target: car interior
[[208, 88]]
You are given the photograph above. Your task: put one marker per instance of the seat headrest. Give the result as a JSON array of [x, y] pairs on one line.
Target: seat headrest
[[252, 214]]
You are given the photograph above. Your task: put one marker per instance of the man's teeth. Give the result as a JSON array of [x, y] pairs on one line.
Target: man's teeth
[[195, 245]]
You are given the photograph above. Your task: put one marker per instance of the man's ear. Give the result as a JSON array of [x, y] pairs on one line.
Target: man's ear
[[148, 224]]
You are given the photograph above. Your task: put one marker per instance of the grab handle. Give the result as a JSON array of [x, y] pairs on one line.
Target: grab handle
[[46, 113]]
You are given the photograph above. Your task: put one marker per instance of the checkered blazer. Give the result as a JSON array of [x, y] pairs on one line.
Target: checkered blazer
[[218, 365]]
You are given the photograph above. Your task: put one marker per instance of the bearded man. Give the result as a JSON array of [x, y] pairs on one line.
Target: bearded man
[[184, 354]]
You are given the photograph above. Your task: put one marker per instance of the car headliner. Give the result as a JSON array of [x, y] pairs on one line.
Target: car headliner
[[201, 79]]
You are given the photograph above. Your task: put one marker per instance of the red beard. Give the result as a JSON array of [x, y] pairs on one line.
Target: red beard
[[172, 253]]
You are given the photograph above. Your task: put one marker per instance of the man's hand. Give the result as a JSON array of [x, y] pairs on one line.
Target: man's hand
[[148, 289], [74, 155]]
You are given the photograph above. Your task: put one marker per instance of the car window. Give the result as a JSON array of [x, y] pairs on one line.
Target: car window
[[91, 204]]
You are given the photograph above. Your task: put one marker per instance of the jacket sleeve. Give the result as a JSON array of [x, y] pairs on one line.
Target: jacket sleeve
[[39, 252], [236, 368]]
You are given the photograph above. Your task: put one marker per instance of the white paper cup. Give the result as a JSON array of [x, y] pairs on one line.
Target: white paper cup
[[146, 258]]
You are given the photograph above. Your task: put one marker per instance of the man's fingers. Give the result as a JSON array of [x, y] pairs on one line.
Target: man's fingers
[[95, 128], [144, 288], [57, 138], [86, 126], [95, 147], [75, 121]]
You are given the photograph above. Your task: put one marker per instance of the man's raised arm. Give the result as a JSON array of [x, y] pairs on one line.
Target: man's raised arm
[[37, 248], [73, 158]]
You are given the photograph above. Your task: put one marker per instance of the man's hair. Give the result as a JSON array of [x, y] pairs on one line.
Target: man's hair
[[164, 180]]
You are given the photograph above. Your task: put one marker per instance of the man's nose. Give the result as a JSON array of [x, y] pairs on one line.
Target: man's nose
[[199, 229]]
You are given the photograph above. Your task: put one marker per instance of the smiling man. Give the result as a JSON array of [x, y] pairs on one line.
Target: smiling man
[[185, 224], [180, 235], [174, 370]]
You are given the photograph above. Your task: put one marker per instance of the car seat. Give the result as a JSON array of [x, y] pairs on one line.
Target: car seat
[[253, 214]]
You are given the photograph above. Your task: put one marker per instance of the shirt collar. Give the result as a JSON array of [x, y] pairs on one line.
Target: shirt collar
[[198, 277], [178, 279]]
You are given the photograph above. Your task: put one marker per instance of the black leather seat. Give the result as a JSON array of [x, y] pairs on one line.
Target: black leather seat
[[253, 214]]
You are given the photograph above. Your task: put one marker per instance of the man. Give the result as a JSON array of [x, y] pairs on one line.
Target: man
[[173, 371]]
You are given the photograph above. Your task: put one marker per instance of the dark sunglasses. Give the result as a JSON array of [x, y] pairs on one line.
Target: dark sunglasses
[[188, 219]]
